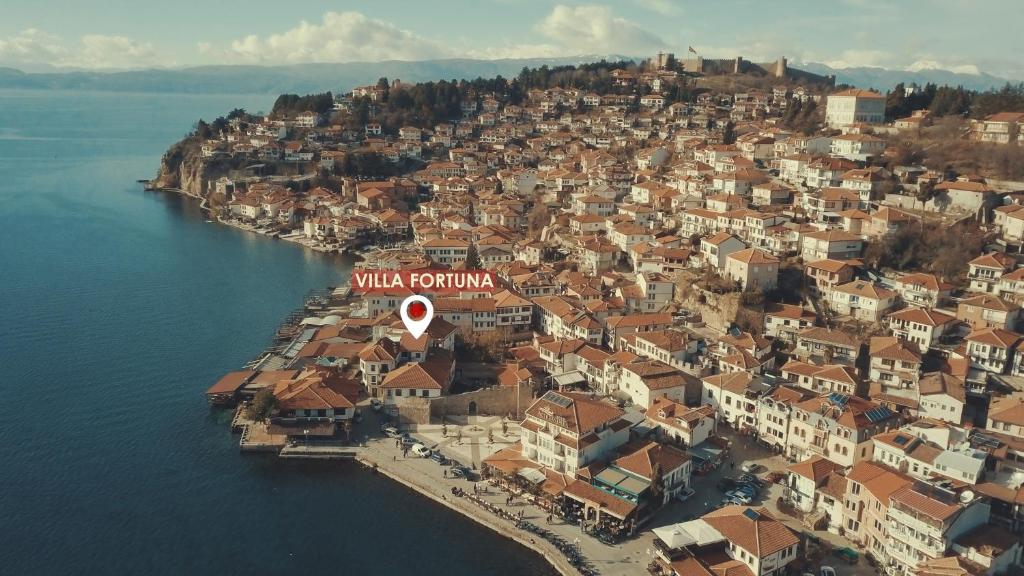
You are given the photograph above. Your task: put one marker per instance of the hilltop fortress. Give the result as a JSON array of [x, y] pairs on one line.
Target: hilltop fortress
[[738, 65]]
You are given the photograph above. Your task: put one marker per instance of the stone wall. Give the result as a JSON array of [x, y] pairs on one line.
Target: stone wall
[[413, 411], [494, 401]]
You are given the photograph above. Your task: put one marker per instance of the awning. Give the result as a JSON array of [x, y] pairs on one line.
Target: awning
[[533, 475], [568, 379], [705, 451]]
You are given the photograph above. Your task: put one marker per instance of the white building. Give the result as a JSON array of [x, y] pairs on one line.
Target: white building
[[566, 431], [854, 106]]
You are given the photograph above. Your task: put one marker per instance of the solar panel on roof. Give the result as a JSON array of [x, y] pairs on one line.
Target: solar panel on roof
[[838, 399], [900, 439], [878, 414], [752, 514], [557, 399]]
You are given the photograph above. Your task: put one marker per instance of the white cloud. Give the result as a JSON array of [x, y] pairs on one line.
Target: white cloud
[[340, 37], [595, 30], [34, 48], [31, 46], [98, 51], [352, 36], [663, 7]]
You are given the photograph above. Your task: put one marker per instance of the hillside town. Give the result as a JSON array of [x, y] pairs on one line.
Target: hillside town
[[734, 330]]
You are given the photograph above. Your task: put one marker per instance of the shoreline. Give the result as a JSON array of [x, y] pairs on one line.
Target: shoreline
[[544, 549], [293, 237], [501, 527]]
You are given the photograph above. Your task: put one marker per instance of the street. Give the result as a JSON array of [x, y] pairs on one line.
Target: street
[[628, 557]]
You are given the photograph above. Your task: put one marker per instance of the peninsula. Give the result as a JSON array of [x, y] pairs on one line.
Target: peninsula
[[738, 320]]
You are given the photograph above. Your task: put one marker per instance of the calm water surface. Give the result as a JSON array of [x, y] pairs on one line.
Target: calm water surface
[[118, 308]]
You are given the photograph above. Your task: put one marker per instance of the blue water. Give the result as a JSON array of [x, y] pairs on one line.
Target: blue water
[[118, 308]]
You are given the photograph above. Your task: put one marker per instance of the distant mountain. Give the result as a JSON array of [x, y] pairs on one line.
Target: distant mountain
[[306, 78], [883, 79], [298, 78]]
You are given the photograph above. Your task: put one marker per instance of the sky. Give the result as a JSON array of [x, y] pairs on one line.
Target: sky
[[959, 35]]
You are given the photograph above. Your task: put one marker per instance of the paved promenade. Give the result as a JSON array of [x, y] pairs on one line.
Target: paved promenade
[[630, 557]]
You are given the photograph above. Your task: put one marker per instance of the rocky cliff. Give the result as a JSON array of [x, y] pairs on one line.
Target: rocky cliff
[[182, 168]]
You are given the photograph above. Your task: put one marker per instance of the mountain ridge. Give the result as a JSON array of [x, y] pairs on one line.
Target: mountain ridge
[[320, 77]]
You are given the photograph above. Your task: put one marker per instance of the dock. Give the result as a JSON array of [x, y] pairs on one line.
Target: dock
[[318, 452]]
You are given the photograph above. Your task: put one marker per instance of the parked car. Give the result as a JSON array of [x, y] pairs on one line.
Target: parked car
[[827, 571], [849, 555], [439, 458], [376, 405], [462, 472], [408, 440], [685, 494], [391, 432], [740, 497], [751, 479], [421, 450], [746, 489], [358, 416], [751, 468]]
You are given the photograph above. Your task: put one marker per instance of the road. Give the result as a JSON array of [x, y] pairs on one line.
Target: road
[[627, 558]]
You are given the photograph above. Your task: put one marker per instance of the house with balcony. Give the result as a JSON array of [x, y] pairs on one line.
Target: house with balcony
[[826, 274], [988, 311], [681, 424], [1006, 416], [863, 301], [774, 411], [822, 346], [566, 431], [985, 271], [784, 321], [647, 380], [921, 326], [823, 379], [999, 128], [734, 397], [923, 521], [838, 427], [991, 349], [831, 244], [376, 361], [666, 466], [895, 364], [923, 290], [734, 540], [925, 460], [805, 479], [866, 504]]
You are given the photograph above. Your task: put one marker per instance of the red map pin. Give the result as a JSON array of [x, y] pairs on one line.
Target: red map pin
[[416, 312]]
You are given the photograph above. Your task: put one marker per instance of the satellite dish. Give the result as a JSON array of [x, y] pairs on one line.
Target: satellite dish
[[966, 497]]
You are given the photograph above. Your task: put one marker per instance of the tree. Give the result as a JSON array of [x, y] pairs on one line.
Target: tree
[[925, 191], [472, 257], [263, 404]]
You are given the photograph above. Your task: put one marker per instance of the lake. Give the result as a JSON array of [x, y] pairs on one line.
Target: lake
[[118, 308]]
